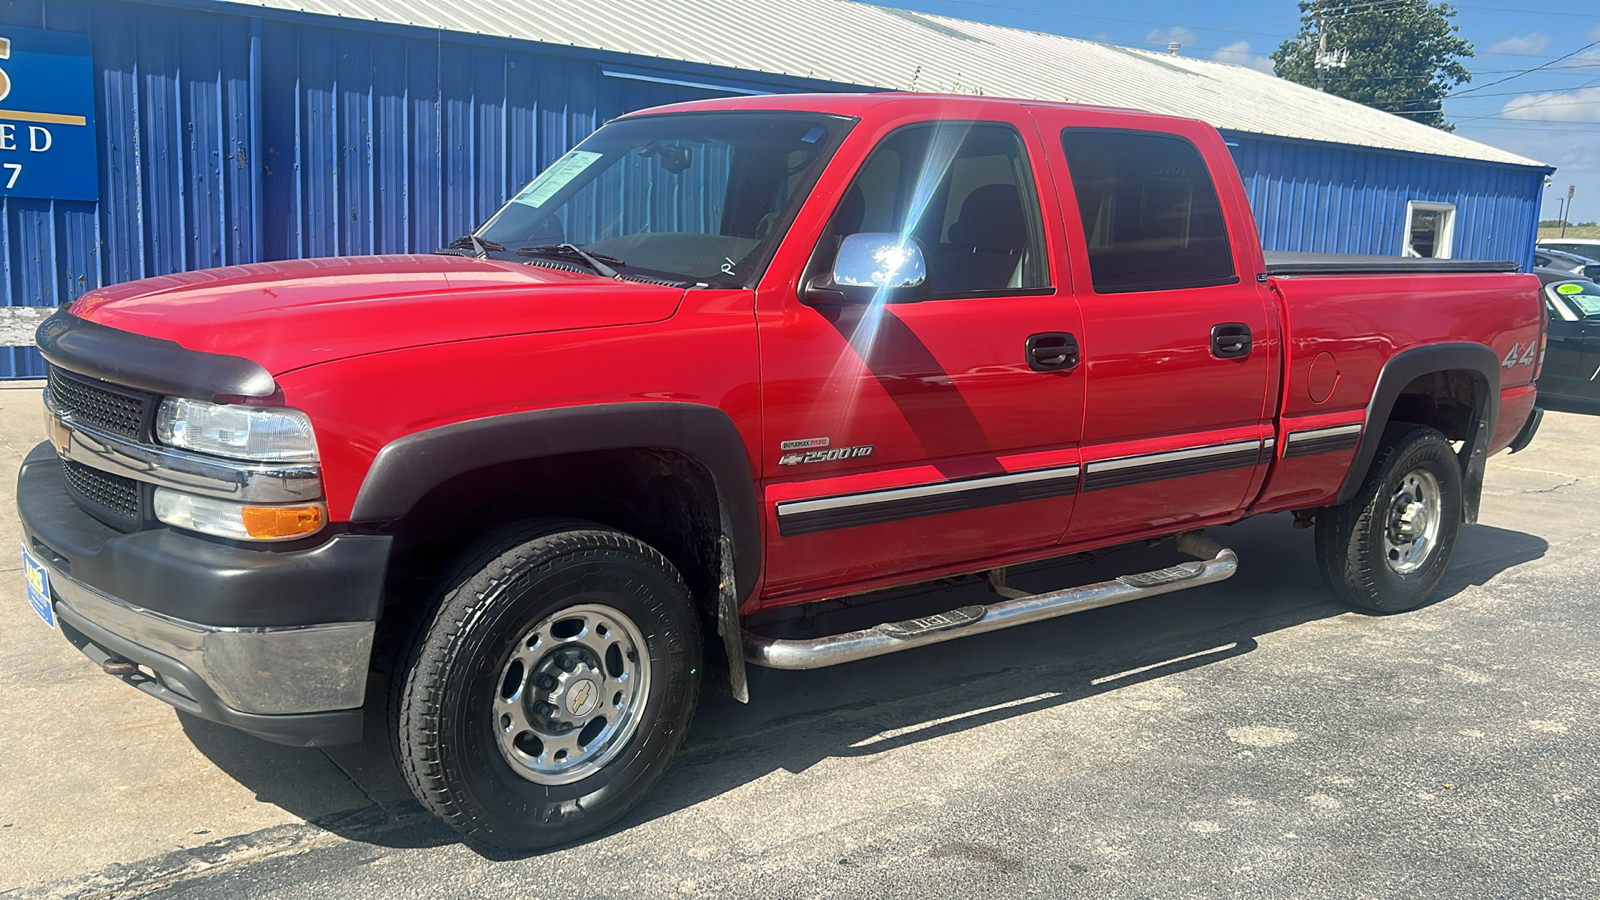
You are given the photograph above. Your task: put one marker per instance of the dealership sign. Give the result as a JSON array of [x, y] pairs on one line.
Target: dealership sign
[[47, 146]]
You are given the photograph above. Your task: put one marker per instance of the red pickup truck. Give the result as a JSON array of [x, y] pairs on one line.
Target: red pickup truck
[[725, 357]]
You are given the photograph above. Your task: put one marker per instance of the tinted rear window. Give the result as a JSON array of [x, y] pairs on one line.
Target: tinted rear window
[[1150, 212]]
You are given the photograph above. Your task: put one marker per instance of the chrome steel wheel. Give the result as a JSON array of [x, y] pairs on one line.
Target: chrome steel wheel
[[572, 694], [1412, 530]]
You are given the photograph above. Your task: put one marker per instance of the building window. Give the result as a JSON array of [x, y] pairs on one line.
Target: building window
[[1430, 229]]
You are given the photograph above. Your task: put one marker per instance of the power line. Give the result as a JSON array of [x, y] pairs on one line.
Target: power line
[[1526, 12], [1525, 93], [1529, 71], [1541, 102], [1537, 124], [1427, 76], [1340, 9]]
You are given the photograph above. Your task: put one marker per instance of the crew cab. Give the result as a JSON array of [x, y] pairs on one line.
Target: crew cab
[[722, 358]]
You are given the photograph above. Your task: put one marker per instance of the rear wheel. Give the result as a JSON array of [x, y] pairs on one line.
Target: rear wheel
[[1388, 547], [551, 686]]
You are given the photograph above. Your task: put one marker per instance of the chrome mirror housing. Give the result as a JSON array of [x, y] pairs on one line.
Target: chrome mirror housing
[[879, 260], [873, 266]]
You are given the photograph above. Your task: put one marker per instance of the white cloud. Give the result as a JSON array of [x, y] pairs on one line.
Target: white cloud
[[1570, 106], [1577, 161], [1163, 37], [1526, 44], [1239, 54], [1595, 34]]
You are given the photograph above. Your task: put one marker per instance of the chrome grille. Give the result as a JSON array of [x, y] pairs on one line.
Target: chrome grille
[[115, 410], [111, 495]]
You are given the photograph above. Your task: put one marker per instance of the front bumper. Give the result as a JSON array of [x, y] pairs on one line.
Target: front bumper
[[274, 642]]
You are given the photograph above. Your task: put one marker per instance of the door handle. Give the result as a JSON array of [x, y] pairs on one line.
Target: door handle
[[1052, 351], [1230, 340]]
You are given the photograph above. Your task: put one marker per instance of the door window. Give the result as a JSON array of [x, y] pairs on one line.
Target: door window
[[965, 192], [1150, 213]]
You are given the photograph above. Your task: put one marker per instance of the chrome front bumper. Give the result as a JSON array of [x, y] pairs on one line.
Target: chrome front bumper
[[271, 671], [302, 685]]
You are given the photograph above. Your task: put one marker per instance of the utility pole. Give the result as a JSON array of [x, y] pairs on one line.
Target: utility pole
[[1571, 189], [1326, 59]]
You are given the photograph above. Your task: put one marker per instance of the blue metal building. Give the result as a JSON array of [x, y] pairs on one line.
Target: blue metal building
[[231, 131]]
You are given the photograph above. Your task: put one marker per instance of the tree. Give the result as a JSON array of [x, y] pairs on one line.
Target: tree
[[1400, 56]]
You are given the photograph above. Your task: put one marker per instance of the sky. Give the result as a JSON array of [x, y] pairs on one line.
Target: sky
[[1535, 87]]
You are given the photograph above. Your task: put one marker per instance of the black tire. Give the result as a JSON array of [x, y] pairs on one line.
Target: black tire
[[449, 690], [1356, 561]]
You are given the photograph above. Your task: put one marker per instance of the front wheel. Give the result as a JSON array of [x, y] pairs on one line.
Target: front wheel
[[555, 680], [1387, 549]]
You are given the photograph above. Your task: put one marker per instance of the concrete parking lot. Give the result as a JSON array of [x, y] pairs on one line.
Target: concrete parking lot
[[1249, 738]]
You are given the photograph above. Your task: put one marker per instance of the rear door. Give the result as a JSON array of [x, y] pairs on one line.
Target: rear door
[[907, 437], [1180, 344]]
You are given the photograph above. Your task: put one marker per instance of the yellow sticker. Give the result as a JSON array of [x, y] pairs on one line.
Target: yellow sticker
[[1569, 288]]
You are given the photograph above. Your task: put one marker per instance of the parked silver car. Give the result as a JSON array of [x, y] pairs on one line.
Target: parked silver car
[[1548, 258]]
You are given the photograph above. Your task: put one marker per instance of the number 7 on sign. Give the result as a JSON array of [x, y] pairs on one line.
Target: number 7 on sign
[[16, 172]]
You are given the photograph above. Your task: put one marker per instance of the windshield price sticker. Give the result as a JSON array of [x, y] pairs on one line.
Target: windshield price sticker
[[47, 139], [1569, 288], [558, 176]]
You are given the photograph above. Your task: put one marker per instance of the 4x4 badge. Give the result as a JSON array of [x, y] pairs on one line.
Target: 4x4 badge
[[1512, 360]]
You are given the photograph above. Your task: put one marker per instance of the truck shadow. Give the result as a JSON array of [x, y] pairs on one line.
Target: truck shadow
[[1570, 405], [798, 719]]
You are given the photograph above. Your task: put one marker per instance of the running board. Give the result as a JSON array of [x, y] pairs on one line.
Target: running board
[[1216, 563]]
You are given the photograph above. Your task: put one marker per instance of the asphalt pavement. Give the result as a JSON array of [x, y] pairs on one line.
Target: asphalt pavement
[[1250, 738]]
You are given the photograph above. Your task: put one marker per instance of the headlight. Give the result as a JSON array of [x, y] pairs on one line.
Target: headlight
[[261, 434], [226, 519]]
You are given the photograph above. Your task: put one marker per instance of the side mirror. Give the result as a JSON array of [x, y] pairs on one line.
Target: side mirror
[[870, 266]]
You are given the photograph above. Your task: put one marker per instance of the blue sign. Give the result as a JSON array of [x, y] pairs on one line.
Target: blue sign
[[47, 146]]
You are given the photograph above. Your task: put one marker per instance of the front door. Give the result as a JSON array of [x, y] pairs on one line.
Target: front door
[[1179, 347], [913, 437]]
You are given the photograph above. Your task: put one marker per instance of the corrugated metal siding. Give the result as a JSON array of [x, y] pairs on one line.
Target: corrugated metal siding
[[1335, 199], [229, 138], [897, 49]]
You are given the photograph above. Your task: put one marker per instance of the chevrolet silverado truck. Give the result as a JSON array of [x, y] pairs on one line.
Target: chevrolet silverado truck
[[720, 359]]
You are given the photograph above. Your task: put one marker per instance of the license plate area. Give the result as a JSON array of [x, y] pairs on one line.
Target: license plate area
[[38, 579]]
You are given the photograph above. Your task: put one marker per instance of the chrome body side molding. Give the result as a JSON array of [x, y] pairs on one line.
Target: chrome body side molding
[[871, 507], [1321, 440], [1126, 471]]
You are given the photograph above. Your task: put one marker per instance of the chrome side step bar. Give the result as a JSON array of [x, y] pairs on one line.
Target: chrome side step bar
[[1216, 563]]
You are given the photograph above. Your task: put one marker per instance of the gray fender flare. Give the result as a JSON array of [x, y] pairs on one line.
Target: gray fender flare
[[1407, 366], [408, 468]]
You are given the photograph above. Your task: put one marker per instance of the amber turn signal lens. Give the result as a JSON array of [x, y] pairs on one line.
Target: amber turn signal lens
[[280, 522]]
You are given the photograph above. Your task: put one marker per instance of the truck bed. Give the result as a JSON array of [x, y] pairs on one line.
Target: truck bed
[[1279, 263]]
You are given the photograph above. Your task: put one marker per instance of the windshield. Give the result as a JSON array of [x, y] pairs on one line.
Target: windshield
[[699, 197], [1581, 299]]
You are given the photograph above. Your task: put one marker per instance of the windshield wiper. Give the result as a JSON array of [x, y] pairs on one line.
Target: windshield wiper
[[476, 244], [596, 261]]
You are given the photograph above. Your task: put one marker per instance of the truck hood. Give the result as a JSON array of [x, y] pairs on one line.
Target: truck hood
[[287, 315]]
